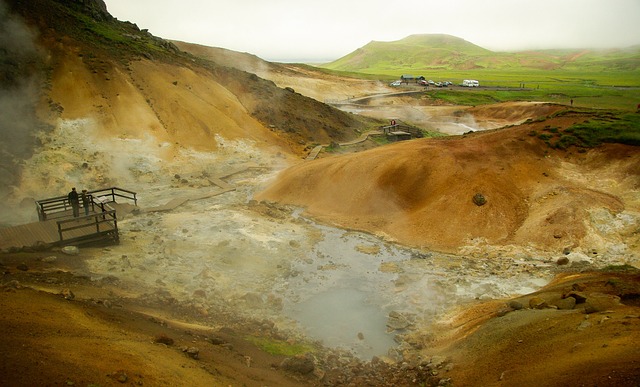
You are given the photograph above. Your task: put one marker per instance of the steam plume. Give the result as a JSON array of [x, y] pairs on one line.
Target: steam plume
[[20, 83]]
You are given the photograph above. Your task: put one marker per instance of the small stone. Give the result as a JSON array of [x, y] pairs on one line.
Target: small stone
[[300, 364], [14, 284], [120, 376], [438, 361], [71, 250], [22, 267], [562, 261], [50, 259], [579, 297], [479, 199], [566, 303], [67, 294], [192, 352], [215, 340], [164, 339], [584, 325], [537, 303], [319, 374], [360, 336], [599, 302], [515, 305]]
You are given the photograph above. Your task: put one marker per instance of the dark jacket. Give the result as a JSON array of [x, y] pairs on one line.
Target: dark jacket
[[73, 197]]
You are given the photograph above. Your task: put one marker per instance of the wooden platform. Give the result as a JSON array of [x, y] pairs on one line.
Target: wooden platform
[[47, 233], [58, 226]]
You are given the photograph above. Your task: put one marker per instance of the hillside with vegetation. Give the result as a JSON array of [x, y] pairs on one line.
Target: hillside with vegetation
[[444, 52], [603, 79]]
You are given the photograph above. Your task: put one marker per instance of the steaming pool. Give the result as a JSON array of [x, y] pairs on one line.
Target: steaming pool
[[345, 289]]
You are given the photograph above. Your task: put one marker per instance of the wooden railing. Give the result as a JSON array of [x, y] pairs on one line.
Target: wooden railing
[[388, 128], [107, 219], [58, 206]]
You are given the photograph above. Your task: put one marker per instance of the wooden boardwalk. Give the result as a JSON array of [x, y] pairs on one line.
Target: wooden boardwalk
[[363, 137], [46, 233], [58, 226], [217, 181]]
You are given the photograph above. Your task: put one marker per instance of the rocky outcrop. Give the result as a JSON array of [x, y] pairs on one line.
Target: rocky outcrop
[[97, 9]]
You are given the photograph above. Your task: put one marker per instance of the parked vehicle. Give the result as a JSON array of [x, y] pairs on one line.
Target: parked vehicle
[[423, 82], [395, 83], [470, 83]]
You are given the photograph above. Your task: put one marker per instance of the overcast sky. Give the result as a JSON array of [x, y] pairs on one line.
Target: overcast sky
[[324, 30]]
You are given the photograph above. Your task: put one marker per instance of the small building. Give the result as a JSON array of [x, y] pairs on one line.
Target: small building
[[406, 78]]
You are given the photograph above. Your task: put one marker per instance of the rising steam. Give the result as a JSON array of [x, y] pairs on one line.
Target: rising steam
[[20, 84]]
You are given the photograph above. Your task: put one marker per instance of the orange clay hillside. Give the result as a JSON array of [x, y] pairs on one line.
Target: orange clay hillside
[[421, 192]]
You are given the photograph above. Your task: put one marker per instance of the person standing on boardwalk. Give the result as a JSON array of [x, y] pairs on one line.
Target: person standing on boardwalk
[[85, 201], [75, 203]]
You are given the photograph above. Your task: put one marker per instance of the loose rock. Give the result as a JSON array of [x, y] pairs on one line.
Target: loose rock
[[566, 303], [479, 199], [537, 303], [301, 364], [192, 352], [71, 250], [67, 294], [515, 305]]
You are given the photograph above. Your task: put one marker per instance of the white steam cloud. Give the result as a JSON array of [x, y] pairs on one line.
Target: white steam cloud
[[20, 83]]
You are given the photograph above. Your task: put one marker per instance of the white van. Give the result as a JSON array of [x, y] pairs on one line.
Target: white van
[[470, 83]]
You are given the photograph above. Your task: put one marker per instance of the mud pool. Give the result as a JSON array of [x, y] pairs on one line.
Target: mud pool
[[346, 289]]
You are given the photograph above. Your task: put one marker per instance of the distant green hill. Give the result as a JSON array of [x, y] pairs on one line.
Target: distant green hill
[[423, 53]]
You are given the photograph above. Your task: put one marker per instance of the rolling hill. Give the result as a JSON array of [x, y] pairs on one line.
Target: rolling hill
[[437, 52]]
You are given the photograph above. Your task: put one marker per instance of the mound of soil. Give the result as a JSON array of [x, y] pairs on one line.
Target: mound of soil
[[421, 192]]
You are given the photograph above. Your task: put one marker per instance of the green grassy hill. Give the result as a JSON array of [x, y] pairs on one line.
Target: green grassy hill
[[423, 53], [608, 79], [413, 52]]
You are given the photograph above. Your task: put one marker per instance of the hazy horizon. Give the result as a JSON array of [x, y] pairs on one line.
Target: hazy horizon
[[312, 31]]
